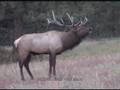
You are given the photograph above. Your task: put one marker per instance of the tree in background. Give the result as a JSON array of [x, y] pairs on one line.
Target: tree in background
[[18, 18]]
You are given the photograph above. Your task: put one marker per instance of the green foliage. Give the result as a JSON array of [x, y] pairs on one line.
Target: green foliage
[[18, 18]]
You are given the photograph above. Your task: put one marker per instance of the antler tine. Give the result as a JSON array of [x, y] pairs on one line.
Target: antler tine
[[48, 20], [79, 23], [61, 23], [85, 20], [54, 18], [70, 17], [62, 20]]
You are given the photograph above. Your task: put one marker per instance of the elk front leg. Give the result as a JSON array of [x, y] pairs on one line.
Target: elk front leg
[[54, 66], [53, 61]]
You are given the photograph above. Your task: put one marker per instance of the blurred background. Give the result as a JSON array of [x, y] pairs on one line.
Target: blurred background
[[18, 18]]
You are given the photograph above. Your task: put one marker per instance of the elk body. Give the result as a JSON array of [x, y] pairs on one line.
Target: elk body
[[51, 42]]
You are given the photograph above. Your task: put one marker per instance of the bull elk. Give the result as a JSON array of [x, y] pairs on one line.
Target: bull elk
[[52, 43]]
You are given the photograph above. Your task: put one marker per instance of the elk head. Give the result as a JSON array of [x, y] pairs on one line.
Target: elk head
[[80, 28]]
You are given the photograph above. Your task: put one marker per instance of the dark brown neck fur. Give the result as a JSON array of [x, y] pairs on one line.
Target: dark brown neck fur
[[70, 40]]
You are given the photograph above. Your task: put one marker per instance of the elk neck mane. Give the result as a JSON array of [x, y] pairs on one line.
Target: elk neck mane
[[70, 39]]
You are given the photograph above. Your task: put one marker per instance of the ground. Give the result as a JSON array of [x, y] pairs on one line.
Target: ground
[[91, 65]]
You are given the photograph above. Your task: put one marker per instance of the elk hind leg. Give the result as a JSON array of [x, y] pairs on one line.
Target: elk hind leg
[[21, 69], [50, 66], [26, 64]]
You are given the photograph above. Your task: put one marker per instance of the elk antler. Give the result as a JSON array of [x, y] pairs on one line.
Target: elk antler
[[62, 20], [85, 21], [61, 23], [54, 20], [79, 22], [70, 17], [82, 22]]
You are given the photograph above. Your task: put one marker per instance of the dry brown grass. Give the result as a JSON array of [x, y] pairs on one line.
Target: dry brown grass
[[93, 72], [74, 71]]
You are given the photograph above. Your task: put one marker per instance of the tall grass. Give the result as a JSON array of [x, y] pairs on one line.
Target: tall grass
[[6, 55]]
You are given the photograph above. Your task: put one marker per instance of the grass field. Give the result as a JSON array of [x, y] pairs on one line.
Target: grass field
[[91, 48], [91, 65]]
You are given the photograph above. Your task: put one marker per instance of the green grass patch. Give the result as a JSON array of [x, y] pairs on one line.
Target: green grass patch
[[93, 48]]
